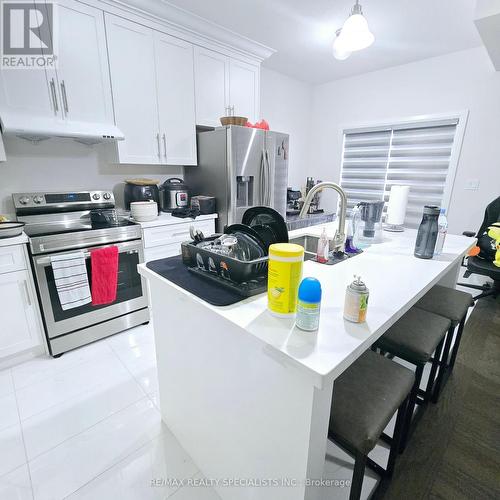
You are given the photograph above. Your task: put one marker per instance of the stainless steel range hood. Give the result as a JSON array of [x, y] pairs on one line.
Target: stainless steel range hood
[[34, 128]]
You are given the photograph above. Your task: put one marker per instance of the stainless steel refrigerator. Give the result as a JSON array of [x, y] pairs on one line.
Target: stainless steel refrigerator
[[242, 167]]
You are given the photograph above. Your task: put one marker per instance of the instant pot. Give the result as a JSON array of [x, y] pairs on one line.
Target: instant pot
[[174, 194]]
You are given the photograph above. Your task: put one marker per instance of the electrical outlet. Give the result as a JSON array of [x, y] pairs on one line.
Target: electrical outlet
[[472, 184]]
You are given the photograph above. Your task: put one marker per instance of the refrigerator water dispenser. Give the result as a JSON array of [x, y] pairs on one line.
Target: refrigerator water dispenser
[[244, 191]]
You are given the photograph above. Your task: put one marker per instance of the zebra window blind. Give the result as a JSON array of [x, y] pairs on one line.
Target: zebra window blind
[[415, 154]]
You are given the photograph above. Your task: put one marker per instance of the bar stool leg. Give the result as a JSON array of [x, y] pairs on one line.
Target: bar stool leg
[[411, 406], [447, 346], [457, 343], [444, 366], [432, 374], [357, 476], [396, 437]]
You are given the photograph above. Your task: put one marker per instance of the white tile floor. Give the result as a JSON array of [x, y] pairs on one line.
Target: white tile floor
[[87, 426]]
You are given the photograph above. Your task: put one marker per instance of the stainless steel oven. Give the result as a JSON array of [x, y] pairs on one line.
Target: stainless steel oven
[[60, 224], [129, 295]]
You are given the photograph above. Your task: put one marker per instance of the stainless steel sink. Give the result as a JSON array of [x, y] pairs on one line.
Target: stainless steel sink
[[310, 244]]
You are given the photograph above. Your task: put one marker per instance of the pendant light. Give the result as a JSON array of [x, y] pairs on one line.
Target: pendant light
[[354, 35], [338, 49]]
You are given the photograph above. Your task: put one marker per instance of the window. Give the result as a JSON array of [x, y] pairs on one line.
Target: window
[[420, 154]]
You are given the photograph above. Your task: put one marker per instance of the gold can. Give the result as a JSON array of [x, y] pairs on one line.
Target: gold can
[[356, 301]]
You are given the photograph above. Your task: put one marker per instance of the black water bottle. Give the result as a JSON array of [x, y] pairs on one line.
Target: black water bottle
[[427, 233]]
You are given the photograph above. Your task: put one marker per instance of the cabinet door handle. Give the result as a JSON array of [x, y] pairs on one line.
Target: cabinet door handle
[[54, 96], [64, 96], [164, 145], [26, 290], [158, 144]]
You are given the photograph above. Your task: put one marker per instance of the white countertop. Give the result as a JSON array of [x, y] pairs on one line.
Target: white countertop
[[16, 240], [396, 280], [165, 219]]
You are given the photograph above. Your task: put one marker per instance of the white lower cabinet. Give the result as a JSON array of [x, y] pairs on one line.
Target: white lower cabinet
[[162, 252], [163, 241], [20, 327]]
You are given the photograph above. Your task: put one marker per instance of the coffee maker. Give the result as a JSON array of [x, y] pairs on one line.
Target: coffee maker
[[293, 205], [367, 223], [314, 205]]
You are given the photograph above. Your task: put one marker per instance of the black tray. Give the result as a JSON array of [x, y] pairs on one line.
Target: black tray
[[248, 289], [222, 266], [199, 285]]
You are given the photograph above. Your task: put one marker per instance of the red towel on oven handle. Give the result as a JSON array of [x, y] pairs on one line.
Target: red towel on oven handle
[[104, 270]]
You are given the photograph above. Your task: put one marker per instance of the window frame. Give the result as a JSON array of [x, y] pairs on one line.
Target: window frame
[[416, 120]]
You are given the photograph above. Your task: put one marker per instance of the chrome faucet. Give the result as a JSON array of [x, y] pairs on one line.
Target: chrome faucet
[[339, 238]]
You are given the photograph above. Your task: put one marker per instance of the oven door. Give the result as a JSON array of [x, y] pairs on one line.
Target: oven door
[[130, 296]]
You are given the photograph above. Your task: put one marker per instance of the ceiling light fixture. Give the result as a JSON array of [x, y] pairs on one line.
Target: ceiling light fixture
[[338, 49], [354, 35]]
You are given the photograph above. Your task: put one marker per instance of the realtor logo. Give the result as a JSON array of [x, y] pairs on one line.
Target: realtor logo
[[28, 35]]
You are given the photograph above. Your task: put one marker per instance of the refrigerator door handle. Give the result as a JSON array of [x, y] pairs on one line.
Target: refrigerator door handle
[[262, 179], [268, 179], [266, 190]]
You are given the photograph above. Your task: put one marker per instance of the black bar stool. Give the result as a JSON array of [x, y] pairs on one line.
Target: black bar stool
[[452, 304], [415, 337], [365, 397]]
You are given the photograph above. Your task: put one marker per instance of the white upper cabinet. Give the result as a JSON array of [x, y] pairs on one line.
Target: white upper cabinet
[[83, 75], [222, 82], [29, 93], [211, 85], [244, 87], [155, 84], [176, 106], [133, 79], [78, 89], [153, 93]]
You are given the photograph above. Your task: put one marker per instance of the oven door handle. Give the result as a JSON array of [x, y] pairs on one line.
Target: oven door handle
[[130, 247]]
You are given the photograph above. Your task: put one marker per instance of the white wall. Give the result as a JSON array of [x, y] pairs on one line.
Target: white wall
[[63, 164], [286, 105], [457, 81]]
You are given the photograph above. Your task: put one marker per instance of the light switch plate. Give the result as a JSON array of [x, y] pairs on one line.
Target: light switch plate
[[472, 184]]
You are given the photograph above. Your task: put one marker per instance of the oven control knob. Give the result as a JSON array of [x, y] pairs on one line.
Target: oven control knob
[[96, 196], [106, 196], [38, 199], [24, 200]]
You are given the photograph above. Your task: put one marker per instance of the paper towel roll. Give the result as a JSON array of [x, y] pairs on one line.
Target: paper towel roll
[[396, 208]]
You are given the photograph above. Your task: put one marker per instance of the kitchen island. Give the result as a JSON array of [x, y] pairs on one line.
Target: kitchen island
[[248, 394]]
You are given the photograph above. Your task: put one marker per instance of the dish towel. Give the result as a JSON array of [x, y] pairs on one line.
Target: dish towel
[[72, 282], [104, 262]]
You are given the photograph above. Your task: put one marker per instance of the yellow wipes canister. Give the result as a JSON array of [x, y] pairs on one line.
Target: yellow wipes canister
[[284, 275]]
